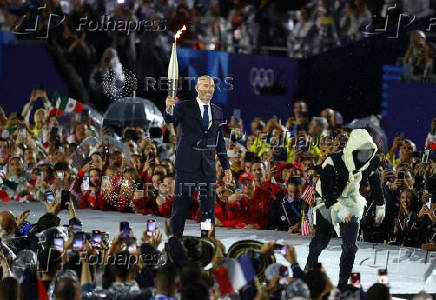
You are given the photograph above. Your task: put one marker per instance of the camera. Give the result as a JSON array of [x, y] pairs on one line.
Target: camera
[[96, 239], [279, 249], [382, 276], [206, 224], [151, 227], [65, 197], [79, 240], [85, 183], [401, 175], [283, 276], [355, 280], [58, 243], [124, 229], [49, 196]]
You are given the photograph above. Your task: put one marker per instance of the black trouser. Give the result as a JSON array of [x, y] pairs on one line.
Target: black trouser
[[323, 231], [186, 183]]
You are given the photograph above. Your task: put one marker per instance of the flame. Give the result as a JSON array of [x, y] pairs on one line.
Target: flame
[[179, 33]]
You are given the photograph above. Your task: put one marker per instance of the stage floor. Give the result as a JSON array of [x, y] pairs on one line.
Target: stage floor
[[406, 266]]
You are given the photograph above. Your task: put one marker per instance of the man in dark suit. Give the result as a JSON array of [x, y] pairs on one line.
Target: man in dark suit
[[199, 140]]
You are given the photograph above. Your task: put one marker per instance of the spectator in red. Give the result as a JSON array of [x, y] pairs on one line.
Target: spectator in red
[[262, 179], [165, 198], [92, 197], [257, 202], [232, 209]]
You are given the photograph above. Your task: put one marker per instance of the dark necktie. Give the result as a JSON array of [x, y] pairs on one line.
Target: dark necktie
[[206, 117]]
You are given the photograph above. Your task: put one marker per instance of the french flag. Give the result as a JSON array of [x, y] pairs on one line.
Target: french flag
[[232, 274]]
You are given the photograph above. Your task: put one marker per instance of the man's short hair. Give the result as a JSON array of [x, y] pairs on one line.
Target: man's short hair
[[321, 122], [121, 263], [166, 277], [195, 291], [378, 291], [316, 281], [66, 289]]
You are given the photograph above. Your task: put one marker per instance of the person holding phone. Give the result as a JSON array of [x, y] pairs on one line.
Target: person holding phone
[[90, 193], [165, 200], [406, 148], [201, 138], [409, 229]]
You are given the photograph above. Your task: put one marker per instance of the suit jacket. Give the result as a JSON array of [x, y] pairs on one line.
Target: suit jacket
[[196, 148], [282, 215]]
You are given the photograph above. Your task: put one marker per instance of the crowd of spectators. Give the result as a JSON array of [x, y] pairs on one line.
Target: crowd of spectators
[[275, 167], [85, 39]]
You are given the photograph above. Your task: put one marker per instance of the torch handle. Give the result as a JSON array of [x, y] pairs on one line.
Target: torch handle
[[172, 88]]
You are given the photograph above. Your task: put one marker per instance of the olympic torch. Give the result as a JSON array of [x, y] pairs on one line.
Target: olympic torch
[[173, 67]]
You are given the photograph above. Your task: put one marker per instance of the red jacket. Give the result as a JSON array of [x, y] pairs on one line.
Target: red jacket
[[231, 214], [256, 209], [165, 208], [88, 201]]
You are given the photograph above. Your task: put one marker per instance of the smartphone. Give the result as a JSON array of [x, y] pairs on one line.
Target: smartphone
[[355, 280], [60, 174], [280, 249], [22, 131], [151, 157], [382, 276], [139, 191], [249, 156], [280, 154], [401, 135], [79, 240], [389, 166], [151, 227], [96, 239], [85, 183], [58, 243], [49, 196], [205, 227], [53, 133], [232, 153], [401, 175], [65, 197], [425, 156], [105, 181], [284, 273], [428, 203], [302, 145], [131, 245], [124, 229], [238, 188]]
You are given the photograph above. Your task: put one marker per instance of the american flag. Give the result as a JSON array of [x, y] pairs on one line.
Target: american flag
[[305, 225], [309, 192]]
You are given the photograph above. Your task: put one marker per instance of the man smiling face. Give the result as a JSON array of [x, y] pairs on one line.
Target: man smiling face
[[205, 88]]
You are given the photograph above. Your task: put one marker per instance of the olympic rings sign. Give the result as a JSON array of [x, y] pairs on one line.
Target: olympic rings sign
[[260, 78]]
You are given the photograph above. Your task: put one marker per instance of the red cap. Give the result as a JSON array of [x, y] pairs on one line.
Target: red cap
[[246, 175]]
